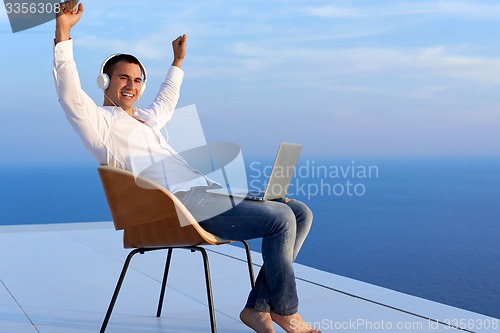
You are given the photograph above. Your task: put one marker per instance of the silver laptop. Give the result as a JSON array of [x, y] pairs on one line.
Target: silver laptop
[[279, 181]]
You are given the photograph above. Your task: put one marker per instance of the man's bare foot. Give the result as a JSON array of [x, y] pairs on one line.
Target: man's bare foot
[[260, 322], [293, 323]]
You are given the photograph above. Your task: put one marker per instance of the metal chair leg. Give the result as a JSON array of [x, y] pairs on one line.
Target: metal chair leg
[[207, 282], [208, 285], [249, 262], [117, 289], [164, 283]]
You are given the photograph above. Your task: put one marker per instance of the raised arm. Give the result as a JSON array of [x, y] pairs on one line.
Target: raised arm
[[69, 15], [164, 104], [179, 47], [83, 114]]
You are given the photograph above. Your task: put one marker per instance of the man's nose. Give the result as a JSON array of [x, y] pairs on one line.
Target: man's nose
[[130, 84]]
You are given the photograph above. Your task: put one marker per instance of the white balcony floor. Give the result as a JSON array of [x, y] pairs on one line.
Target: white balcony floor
[[60, 278]]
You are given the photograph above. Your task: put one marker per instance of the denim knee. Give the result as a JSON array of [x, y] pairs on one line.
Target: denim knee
[[283, 221], [303, 214]]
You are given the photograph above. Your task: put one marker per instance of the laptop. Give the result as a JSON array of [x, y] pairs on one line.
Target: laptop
[[279, 181]]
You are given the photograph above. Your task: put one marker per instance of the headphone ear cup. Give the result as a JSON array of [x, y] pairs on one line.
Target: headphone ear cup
[[143, 87], [103, 81]]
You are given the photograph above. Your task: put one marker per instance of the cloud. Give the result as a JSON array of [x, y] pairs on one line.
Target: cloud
[[444, 62], [294, 50], [381, 10], [306, 63], [332, 11], [147, 48]]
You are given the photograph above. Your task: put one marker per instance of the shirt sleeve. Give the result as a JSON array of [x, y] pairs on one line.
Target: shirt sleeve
[[86, 118], [162, 108]]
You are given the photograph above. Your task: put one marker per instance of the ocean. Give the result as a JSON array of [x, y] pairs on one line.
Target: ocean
[[425, 227]]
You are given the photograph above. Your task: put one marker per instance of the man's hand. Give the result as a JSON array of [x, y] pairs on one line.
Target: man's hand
[[68, 16], [179, 46]]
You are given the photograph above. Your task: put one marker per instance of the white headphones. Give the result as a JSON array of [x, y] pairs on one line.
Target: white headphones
[[103, 78]]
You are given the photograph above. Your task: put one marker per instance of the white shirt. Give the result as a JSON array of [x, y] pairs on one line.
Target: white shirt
[[115, 138]]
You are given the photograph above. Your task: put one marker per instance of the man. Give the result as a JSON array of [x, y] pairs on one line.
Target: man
[[108, 134]]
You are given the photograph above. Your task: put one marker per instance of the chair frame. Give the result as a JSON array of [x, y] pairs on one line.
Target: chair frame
[[206, 239], [208, 283]]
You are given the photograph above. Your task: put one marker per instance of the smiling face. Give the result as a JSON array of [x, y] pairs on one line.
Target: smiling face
[[124, 86]]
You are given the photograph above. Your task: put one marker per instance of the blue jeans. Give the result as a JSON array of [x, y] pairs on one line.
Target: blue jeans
[[283, 228]]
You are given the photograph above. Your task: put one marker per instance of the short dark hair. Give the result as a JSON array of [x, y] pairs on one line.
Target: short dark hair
[[109, 67]]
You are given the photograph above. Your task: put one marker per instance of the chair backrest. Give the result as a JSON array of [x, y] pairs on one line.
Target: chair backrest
[[150, 215]]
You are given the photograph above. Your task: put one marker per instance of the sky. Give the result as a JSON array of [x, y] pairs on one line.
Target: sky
[[344, 78]]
